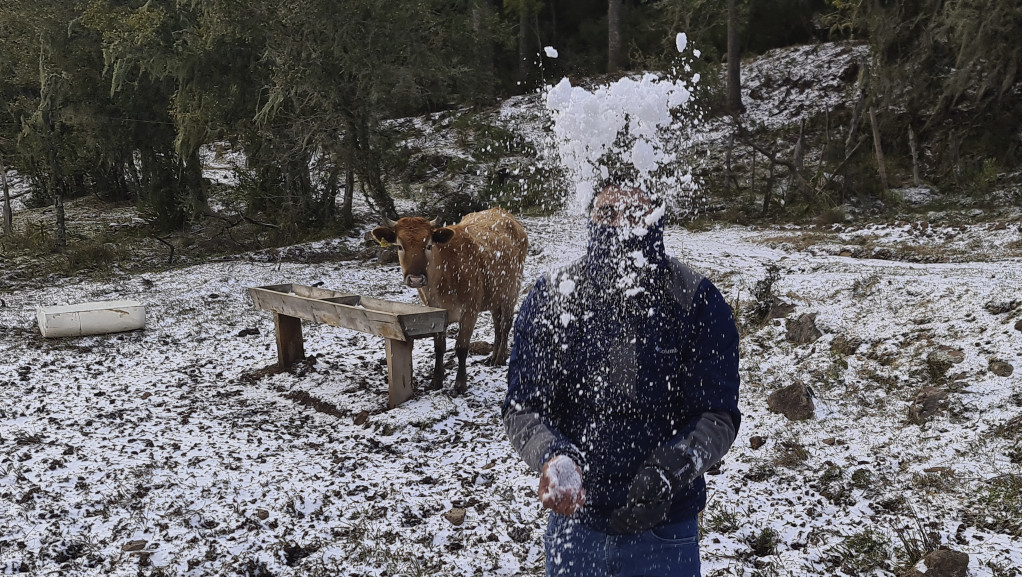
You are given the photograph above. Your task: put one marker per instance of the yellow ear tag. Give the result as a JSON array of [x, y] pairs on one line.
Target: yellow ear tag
[[383, 242]]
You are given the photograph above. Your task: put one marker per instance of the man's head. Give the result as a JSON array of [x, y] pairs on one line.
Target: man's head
[[624, 206]]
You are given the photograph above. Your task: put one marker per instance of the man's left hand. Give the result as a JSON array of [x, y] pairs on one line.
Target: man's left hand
[[649, 499]]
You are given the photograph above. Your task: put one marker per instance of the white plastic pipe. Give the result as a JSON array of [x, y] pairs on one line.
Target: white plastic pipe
[[91, 318]]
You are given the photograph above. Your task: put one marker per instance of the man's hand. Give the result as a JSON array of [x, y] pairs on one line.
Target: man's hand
[[560, 486], [649, 498]]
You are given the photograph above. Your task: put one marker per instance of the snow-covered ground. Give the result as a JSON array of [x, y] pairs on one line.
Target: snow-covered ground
[[174, 441]]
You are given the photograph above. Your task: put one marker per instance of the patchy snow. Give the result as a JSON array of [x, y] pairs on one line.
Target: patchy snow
[[179, 448], [173, 435]]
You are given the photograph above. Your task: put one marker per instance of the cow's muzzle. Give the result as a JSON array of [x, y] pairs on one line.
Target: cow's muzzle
[[415, 280]]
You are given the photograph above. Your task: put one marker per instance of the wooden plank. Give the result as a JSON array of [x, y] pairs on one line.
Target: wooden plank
[[360, 318], [290, 344], [399, 371], [416, 321]]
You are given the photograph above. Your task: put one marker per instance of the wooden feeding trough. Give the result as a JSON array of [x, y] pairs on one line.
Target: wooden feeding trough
[[399, 323]]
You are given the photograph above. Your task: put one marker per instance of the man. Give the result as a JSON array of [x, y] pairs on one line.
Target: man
[[622, 392]]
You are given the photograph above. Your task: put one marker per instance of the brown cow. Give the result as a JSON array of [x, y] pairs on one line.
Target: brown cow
[[466, 268]]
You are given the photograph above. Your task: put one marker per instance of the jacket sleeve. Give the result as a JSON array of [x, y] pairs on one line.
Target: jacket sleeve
[[533, 373], [713, 372]]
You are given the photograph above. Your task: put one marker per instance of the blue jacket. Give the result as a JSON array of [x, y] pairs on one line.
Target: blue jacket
[[616, 381]]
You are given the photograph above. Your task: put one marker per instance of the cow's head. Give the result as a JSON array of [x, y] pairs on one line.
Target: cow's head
[[415, 238]]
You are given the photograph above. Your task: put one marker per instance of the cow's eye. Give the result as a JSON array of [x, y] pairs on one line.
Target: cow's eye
[[429, 247], [400, 248]]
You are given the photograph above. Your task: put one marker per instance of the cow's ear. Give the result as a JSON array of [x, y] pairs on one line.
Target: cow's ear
[[442, 235], [385, 236]]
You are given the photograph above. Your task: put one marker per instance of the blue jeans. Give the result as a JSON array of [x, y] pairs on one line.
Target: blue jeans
[[575, 550]]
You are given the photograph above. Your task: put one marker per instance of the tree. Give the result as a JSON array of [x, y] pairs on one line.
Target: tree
[[614, 56], [734, 60]]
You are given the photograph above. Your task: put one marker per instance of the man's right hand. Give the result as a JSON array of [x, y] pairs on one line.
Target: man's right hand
[[560, 486]]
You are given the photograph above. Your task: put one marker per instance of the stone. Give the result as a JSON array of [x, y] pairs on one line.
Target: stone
[[456, 516], [845, 346], [830, 440], [940, 360], [385, 255], [263, 514], [1000, 307], [927, 402], [756, 441], [480, 348], [1001, 368], [361, 418], [1018, 326], [941, 563], [793, 401], [134, 545], [803, 331]]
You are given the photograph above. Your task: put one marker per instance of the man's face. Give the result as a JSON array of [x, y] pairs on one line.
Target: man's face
[[622, 207]]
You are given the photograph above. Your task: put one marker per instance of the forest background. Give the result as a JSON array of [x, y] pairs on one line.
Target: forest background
[[115, 100]]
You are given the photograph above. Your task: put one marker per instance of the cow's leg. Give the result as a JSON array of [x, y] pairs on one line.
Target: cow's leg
[[440, 346], [466, 326], [502, 332], [498, 340]]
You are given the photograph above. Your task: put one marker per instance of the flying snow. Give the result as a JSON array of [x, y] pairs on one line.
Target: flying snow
[[550, 51]]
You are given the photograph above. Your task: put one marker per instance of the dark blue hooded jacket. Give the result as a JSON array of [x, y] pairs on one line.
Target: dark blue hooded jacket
[[615, 381]]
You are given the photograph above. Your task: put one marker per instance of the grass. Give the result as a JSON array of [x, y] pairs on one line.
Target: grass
[[998, 506], [764, 543], [790, 452], [720, 518], [863, 552]]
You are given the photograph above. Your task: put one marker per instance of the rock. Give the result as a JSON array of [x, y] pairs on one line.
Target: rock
[[385, 255], [845, 346], [803, 331], [134, 545], [928, 402], [756, 441], [780, 309], [1018, 326], [361, 418], [1000, 307], [1001, 368], [456, 516], [480, 348], [262, 514], [830, 440], [940, 360], [793, 401], [942, 563]]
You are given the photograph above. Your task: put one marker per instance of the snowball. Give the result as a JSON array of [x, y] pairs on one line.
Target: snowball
[[681, 41], [566, 287], [563, 477], [550, 51]]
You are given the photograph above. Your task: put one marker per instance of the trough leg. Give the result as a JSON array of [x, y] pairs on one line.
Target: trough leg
[[290, 345], [399, 371]]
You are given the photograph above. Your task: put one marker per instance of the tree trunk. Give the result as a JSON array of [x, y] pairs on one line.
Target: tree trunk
[[8, 216], [524, 43], [58, 203], [914, 146], [481, 13], [191, 180], [349, 193], [734, 61], [878, 148], [614, 62], [853, 129]]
